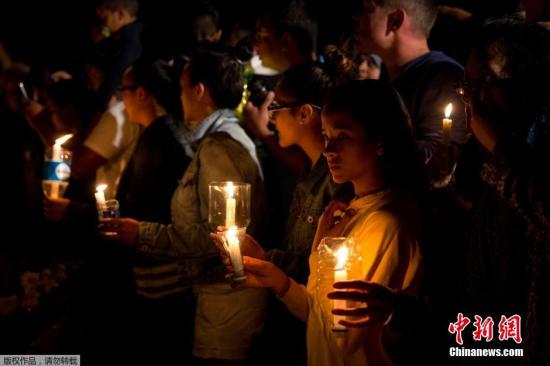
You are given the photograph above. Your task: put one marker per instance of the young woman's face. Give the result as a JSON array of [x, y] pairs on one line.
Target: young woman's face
[[286, 120], [349, 153]]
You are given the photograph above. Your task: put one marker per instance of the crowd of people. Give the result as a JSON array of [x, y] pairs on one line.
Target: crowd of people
[[344, 136]]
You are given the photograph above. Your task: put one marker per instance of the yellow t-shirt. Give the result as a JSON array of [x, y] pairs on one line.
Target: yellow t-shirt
[[386, 231]]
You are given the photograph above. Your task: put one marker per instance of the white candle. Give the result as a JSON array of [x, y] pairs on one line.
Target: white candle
[[234, 251], [230, 206], [57, 158], [340, 274], [56, 149], [447, 124], [56, 153], [100, 197]]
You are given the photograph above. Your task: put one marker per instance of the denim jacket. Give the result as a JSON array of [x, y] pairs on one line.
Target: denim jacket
[[218, 157]]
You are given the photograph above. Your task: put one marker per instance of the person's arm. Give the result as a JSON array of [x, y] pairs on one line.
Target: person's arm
[[86, 163], [39, 119], [439, 91], [523, 185], [188, 234], [298, 300]]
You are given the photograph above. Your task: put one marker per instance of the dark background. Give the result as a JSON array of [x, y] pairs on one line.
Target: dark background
[[54, 33]]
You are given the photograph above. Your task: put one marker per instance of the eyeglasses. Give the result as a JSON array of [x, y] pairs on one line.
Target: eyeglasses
[[275, 107], [127, 87]]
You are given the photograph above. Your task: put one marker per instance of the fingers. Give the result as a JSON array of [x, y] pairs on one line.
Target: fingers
[[361, 323], [268, 100], [335, 205], [359, 312], [352, 295], [255, 265], [218, 241], [357, 284], [250, 239]]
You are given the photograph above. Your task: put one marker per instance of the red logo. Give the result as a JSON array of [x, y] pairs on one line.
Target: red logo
[[508, 328], [458, 327]]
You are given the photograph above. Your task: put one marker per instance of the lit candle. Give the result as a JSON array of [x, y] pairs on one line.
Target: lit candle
[[447, 124], [57, 158], [231, 242], [230, 205], [100, 198], [340, 274]]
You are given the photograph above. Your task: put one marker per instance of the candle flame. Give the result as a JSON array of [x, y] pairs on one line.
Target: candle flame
[[448, 110], [60, 141], [341, 257], [232, 231], [230, 189], [101, 187]]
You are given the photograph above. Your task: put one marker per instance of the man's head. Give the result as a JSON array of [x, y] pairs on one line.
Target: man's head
[[382, 21], [115, 14], [284, 34], [206, 24]]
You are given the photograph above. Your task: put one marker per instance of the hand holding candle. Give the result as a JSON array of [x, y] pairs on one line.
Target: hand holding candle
[[229, 206]]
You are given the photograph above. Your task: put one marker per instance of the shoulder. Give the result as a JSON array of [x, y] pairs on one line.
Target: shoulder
[[219, 143], [443, 68], [395, 213]]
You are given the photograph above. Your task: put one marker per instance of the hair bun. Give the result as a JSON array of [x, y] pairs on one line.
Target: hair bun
[[338, 65]]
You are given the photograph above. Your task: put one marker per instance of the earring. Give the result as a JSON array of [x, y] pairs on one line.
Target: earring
[[303, 121]]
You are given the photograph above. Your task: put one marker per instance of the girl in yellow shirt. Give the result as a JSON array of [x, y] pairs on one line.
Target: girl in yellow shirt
[[368, 142]]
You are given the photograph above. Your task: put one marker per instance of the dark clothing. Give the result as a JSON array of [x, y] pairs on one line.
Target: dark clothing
[[123, 48], [163, 305], [427, 84], [312, 194], [152, 174], [519, 176]]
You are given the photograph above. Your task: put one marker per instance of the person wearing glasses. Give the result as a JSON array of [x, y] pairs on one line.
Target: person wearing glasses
[[296, 114], [226, 321], [373, 148], [161, 302]]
